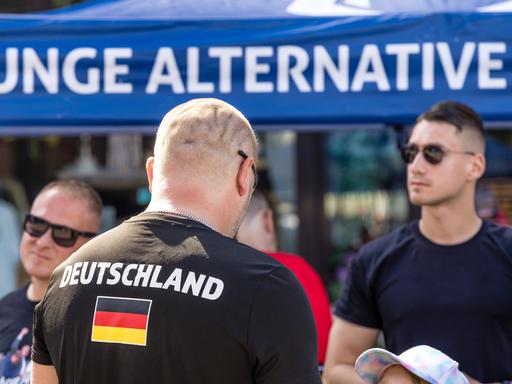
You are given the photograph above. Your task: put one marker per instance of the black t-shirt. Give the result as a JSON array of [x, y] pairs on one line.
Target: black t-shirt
[[454, 298], [165, 299], [16, 313]]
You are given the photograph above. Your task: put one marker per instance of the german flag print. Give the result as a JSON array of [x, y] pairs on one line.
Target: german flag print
[[121, 320]]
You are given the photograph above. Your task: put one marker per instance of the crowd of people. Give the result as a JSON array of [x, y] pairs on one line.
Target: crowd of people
[[195, 290]]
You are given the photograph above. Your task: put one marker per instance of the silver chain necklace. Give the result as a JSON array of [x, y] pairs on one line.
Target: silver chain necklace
[[186, 215]]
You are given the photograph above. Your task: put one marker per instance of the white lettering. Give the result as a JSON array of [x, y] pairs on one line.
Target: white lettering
[[225, 56], [455, 76], [285, 70], [11, 71], [32, 65], [66, 275], [92, 84], [192, 283], [402, 52], [324, 64], [75, 273], [253, 69], [112, 69], [114, 272], [174, 279], [370, 57], [126, 272], [143, 275], [165, 62], [193, 83], [102, 266], [154, 279], [427, 61], [213, 288], [86, 279], [486, 65]]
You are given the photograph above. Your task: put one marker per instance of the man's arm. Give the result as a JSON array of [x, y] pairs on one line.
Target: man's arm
[[43, 374], [346, 342]]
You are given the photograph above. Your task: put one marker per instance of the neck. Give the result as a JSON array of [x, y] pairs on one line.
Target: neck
[[36, 289], [195, 213], [449, 225]]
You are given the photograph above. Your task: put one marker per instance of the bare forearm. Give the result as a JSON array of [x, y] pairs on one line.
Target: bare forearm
[[342, 374]]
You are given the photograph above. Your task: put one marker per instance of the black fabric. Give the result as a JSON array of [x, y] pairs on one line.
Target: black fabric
[[16, 313], [454, 298], [257, 329]]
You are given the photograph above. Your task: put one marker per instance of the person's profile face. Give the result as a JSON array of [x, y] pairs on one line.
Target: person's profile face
[[434, 184], [396, 374]]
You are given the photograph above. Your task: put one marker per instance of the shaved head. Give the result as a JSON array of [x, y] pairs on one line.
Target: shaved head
[[202, 137], [204, 164]]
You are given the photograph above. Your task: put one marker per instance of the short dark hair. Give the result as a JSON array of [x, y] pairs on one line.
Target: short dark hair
[[457, 114], [78, 189]]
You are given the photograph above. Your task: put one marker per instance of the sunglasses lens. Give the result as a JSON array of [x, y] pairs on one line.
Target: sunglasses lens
[[408, 153], [433, 154], [35, 226], [63, 236]]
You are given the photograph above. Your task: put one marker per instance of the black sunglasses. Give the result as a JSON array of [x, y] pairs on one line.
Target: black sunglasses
[[433, 153], [244, 155], [61, 235]]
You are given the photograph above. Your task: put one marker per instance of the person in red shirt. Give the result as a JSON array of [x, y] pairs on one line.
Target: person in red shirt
[[258, 231]]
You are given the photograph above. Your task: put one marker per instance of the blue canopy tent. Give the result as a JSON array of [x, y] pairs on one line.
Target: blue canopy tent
[[118, 65]]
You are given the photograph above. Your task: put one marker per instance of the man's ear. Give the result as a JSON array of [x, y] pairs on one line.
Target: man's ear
[[268, 221], [149, 171], [477, 167], [244, 182]]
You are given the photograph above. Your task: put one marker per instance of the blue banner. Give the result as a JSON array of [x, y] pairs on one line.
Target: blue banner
[[84, 71]]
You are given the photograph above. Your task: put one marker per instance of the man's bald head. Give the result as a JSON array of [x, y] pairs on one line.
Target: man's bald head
[[202, 138], [204, 164]]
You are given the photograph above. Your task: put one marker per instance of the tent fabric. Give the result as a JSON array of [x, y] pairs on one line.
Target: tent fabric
[[254, 9], [114, 65]]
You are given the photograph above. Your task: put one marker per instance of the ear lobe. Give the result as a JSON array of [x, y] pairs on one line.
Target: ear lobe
[[149, 171]]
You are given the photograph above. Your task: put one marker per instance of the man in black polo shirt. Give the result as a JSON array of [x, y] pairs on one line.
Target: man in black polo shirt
[[169, 295], [445, 280]]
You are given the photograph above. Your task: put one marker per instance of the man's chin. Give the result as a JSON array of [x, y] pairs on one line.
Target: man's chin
[[418, 201]]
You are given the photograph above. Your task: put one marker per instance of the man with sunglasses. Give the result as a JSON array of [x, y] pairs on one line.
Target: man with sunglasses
[[169, 296], [445, 280], [64, 215]]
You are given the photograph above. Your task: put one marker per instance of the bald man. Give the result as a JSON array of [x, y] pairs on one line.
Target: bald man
[[258, 231], [169, 295]]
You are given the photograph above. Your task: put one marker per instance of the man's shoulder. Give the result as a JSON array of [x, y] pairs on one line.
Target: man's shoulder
[[390, 242], [245, 255], [14, 297]]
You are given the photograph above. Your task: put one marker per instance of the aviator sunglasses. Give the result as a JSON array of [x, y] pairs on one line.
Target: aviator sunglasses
[[61, 235], [433, 153], [245, 156]]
